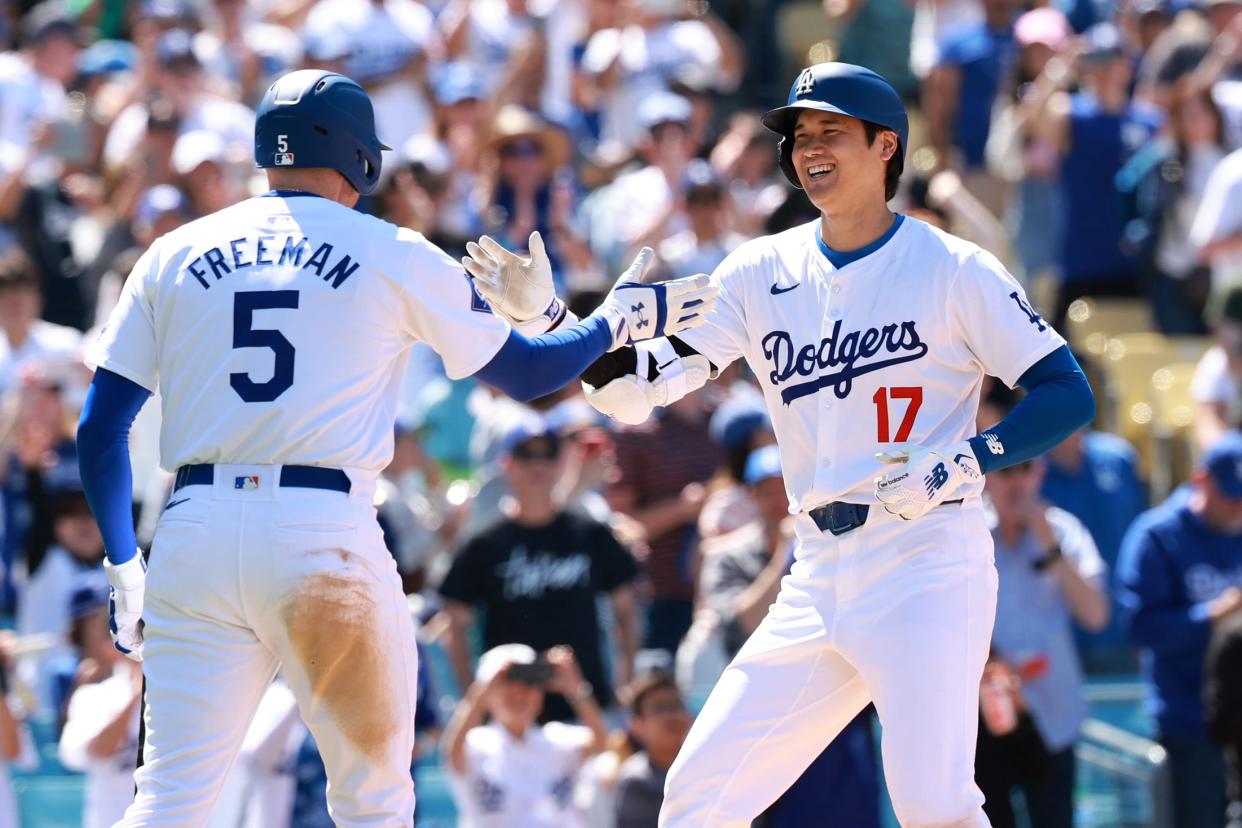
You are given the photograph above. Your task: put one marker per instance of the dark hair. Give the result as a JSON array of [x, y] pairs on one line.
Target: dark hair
[[892, 173], [645, 685], [17, 271]]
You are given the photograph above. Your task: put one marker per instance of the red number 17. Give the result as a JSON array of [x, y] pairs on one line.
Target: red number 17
[[914, 394]]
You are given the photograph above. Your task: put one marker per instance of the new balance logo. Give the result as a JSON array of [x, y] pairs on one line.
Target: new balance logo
[[995, 446], [805, 85], [1031, 315], [638, 311], [938, 477]]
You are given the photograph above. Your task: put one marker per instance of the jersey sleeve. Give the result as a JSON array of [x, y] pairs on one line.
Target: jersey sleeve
[[722, 336], [126, 343], [990, 313], [441, 308]]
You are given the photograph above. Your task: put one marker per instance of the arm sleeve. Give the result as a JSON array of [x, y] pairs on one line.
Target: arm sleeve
[[112, 403], [529, 368], [1156, 617], [1059, 401]]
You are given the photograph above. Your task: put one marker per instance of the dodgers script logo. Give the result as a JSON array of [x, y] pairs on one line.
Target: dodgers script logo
[[838, 351]]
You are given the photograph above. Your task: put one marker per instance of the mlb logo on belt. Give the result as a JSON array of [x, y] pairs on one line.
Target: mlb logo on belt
[[246, 482], [284, 159]]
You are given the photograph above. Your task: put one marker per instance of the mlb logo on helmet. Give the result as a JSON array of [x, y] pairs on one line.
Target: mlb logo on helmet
[[284, 159], [246, 482]]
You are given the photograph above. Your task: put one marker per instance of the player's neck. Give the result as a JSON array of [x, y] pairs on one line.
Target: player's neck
[[854, 229]]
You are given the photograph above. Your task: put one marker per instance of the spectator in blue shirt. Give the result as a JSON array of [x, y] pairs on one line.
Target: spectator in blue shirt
[[1179, 578], [1095, 477]]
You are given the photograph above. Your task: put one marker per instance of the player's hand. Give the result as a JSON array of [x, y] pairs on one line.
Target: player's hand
[[516, 287], [637, 311], [128, 583], [926, 478]]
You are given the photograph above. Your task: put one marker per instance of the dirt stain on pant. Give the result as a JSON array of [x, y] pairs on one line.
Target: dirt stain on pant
[[335, 629]]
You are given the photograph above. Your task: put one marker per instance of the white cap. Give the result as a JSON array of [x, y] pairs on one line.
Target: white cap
[[195, 148], [497, 657]]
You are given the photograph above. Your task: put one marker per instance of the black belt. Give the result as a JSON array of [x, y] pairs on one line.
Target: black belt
[[840, 517], [298, 477]]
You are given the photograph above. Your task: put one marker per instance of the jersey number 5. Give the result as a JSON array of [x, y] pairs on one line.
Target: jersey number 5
[[914, 394], [245, 303]]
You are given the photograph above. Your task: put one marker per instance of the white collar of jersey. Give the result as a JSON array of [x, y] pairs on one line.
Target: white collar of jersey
[[287, 193]]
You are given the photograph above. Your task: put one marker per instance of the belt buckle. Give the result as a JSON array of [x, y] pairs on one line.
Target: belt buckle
[[842, 518]]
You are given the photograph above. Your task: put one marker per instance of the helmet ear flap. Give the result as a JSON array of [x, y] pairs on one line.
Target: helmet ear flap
[[784, 155]]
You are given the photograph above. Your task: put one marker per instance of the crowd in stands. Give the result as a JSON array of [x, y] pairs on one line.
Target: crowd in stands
[[580, 586]]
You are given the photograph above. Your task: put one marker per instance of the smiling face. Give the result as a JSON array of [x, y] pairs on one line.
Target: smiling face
[[837, 167]]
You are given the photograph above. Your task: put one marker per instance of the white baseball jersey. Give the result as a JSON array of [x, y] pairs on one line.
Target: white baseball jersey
[[889, 349], [278, 331], [109, 780]]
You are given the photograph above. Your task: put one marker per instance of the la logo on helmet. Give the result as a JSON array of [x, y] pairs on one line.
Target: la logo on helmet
[[806, 83]]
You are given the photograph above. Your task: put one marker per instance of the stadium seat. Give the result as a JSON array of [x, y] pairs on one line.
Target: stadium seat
[[1092, 321]]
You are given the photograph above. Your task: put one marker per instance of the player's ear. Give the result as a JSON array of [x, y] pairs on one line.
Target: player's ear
[[888, 144]]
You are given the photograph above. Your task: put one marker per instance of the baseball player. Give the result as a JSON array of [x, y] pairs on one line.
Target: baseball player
[[277, 331], [870, 334]]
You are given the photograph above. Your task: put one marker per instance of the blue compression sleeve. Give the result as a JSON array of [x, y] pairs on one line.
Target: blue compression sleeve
[[529, 368], [112, 403], [1058, 402]]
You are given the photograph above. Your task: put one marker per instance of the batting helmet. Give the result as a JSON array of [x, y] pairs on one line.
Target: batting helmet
[[847, 90], [311, 118]]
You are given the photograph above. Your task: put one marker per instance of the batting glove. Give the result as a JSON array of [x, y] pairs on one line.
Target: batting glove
[[128, 584], [637, 311], [926, 478], [518, 288]]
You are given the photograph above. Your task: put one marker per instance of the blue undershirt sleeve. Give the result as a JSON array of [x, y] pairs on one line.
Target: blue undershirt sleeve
[[1058, 402], [112, 403], [528, 368]]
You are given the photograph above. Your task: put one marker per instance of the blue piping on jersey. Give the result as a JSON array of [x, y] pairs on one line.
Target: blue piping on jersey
[[841, 258], [289, 194], [112, 403]]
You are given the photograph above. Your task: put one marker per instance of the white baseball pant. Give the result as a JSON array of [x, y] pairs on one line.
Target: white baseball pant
[[243, 580], [895, 612]]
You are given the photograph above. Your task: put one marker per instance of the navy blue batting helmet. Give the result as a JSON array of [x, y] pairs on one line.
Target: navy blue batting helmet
[[847, 90], [311, 118]]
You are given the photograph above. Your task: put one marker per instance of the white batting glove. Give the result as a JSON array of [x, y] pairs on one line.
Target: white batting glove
[[637, 311], [128, 585], [926, 478], [518, 288]]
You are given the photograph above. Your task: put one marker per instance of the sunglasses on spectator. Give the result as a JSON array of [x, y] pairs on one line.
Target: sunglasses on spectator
[[537, 451], [525, 148]]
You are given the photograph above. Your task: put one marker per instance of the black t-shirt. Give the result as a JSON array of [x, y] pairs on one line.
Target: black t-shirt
[[538, 586]]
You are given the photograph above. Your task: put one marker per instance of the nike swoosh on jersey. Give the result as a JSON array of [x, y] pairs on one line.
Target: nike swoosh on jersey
[[173, 503], [777, 290]]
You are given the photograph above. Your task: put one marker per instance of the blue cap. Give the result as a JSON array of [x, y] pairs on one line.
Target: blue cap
[[89, 595], [457, 82], [531, 427], [734, 422], [663, 108], [1224, 463], [158, 201], [175, 46], [1103, 41], [763, 463], [107, 56]]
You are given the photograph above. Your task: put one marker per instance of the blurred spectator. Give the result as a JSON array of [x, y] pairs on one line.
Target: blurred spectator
[[201, 163], [664, 464], [743, 156], [33, 83], [702, 246], [1216, 231], [16, 746], [247, 52], [876, 34], [511, 772], [659, 722], [1217, 383], [1019, 152], [1165, 182], [739, 426], [958, 97], [1223, 703], [1010, 752], [100, 737], [1050, 578], [640, 58], [28, 340], [388, 47], [1095, 131], [1221, 67], [536, 575], [936, 23], [502, 39], [1178, 579]]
